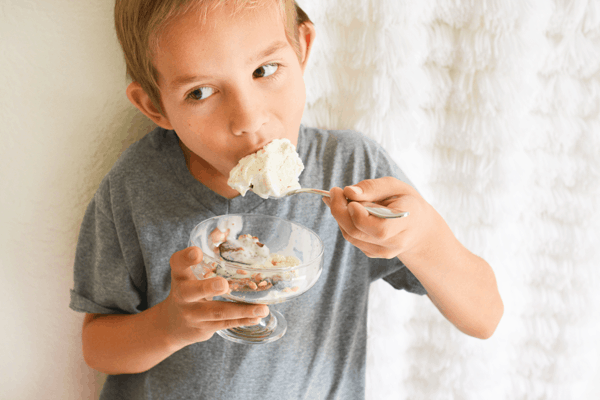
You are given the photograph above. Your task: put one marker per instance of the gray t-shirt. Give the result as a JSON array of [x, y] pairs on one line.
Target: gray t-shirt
[[144, 211]]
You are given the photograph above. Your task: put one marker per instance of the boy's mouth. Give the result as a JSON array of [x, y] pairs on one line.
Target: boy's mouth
[[256, 149]]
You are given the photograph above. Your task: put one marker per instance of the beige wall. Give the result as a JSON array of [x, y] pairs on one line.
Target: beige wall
[[65, 120]]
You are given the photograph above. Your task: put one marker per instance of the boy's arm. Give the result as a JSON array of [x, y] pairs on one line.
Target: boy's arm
[[460, 284], [125, 344], [129, 344]]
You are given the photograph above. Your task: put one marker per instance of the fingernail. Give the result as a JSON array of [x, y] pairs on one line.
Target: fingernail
[[351, 211], [192, 254], [326, 201], [356, 189], [218, 285], [261, 312]]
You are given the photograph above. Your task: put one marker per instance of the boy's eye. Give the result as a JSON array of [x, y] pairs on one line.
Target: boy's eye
[[201, 93], [265, 70]]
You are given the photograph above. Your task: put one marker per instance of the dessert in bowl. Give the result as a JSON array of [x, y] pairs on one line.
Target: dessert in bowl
[[265, 259]]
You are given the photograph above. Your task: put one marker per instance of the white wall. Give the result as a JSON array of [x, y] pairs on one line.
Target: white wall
[[65, 120]]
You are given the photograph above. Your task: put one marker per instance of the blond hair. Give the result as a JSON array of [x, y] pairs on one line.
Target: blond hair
[[139, 23]]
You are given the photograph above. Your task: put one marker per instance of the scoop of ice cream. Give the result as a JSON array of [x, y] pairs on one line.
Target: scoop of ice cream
[[270, 172]]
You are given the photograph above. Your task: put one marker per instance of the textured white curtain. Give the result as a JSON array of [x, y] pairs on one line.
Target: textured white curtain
[[492, 109]]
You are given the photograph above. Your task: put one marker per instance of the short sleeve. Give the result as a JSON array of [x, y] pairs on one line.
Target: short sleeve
[[102, 282], [403, 279]]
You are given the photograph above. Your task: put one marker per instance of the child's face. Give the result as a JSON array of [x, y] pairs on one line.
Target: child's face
[[229, 87]]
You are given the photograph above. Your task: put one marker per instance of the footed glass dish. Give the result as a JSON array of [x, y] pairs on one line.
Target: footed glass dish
[[253, 283]]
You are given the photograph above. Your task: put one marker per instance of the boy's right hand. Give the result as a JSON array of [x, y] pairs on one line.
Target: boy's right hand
[[189, 315]]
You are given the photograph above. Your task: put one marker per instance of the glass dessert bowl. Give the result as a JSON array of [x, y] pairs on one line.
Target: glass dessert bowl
[[265, 259]]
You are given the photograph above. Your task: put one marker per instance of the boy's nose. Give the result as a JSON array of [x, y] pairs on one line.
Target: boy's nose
[[247, 114]]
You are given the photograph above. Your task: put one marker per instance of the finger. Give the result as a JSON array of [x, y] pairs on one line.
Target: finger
[[182, 260], [371, 250], [338, 205], [222, 310], [213, 326], [356, 221], [377, 189], [345, 212], [193, 290], [370, 228]]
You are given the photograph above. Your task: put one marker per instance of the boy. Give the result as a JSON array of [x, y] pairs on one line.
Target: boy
[[223, 79]]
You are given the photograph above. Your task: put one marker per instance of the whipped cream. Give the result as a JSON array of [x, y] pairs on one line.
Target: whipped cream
[[270, 172], [267, 280], [246, 249], [276, 260]]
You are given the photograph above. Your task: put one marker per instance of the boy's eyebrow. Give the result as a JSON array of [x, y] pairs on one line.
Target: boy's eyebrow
[[274, 47]]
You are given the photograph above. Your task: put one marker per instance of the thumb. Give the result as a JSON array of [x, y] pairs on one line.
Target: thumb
[[376, 189], [182, 260]]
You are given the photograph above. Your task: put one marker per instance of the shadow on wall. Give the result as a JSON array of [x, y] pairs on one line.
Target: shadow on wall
[[130, 128], [99, 383], [128, 125]]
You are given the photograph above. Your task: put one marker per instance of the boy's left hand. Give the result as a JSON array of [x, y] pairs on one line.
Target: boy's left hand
[[384, 238]]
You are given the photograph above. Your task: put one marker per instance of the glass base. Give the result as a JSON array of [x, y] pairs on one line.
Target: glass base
[[270, 329]]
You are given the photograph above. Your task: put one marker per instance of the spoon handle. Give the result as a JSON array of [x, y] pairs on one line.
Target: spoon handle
[[374, 209]]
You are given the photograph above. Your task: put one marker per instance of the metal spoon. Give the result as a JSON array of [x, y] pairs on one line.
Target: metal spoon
[[373, 208]]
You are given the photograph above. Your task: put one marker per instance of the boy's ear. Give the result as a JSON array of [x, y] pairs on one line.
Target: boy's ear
[[139, 98], [306, 36]]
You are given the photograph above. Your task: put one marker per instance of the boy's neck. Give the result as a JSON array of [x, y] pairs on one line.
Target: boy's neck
[[206, 174]]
